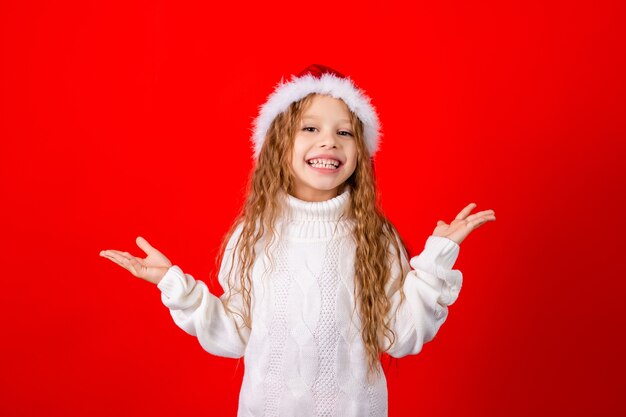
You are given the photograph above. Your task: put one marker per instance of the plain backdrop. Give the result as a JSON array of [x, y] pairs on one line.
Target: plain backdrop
[[132, 118]]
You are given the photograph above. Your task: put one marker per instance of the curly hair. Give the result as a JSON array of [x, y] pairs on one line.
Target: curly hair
[[373, 233]]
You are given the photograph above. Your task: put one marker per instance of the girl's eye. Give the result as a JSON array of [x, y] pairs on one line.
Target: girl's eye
[[341, 132]]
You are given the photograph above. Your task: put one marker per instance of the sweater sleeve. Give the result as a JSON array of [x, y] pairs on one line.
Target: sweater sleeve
[[202, 314], [430, 287]]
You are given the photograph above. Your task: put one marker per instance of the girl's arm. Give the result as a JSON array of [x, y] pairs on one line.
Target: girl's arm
[[430, 287], [202, 314]]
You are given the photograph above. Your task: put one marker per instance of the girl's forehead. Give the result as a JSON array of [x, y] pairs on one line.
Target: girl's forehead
[[315, 117]]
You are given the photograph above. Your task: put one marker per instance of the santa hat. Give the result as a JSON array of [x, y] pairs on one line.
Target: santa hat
[[318, 79]]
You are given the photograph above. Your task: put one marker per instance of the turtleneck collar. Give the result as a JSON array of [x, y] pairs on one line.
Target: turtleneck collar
[[316, 219]]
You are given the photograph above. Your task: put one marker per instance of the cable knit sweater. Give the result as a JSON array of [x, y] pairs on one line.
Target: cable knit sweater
[[304, 355]]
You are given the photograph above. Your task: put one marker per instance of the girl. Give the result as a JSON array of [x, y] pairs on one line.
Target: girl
[[317, 281]]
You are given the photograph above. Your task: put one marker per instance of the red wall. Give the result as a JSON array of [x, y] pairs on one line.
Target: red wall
[[121, 119]]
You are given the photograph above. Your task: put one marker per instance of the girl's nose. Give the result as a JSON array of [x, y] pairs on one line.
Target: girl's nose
[[329, 140]]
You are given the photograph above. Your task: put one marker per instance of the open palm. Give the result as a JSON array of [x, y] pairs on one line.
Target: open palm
[[151, 268], [463, 224]]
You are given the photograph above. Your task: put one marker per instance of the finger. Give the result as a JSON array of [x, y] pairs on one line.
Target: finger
[[478, 222], [440, 222], [480, 214], [465, 212], [133, 265], [483, 217], [145, 246], [120, 253], [125, 260], [113, 258]]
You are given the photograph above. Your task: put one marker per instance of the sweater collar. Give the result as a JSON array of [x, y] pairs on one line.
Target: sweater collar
[[328, 210], [316, 219]]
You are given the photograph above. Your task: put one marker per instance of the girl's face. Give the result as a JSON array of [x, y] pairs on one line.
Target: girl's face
[[324, 140]]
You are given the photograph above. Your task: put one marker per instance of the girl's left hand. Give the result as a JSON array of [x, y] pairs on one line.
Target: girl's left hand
[[463, 224]]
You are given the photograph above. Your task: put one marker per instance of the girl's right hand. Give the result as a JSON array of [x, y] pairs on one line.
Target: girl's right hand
[[151, 269]]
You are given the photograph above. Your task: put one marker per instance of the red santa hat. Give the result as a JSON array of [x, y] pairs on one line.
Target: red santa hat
[[318, 79]]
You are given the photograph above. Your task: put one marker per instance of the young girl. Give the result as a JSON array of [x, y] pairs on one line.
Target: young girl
[[317, 281]]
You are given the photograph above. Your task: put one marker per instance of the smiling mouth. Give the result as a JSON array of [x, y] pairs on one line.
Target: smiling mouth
[[324, 164]]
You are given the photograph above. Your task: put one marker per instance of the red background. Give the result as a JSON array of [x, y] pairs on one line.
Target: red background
[[121, 119]]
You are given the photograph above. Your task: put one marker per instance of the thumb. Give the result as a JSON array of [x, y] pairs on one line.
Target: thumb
[[440, 222], [144, 245]]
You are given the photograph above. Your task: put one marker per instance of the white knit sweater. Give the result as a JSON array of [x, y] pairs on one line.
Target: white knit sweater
[[304, 355]]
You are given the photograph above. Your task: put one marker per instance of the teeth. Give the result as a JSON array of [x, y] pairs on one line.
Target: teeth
[[323, 166], [324, 163]]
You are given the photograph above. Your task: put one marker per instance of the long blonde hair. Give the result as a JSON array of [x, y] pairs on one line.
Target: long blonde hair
[[374, 235]]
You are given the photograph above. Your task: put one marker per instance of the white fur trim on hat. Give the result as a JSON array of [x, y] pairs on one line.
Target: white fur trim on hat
[[286, 93]]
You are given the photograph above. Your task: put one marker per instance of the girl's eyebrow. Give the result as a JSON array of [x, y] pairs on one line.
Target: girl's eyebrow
[[317, 118]]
